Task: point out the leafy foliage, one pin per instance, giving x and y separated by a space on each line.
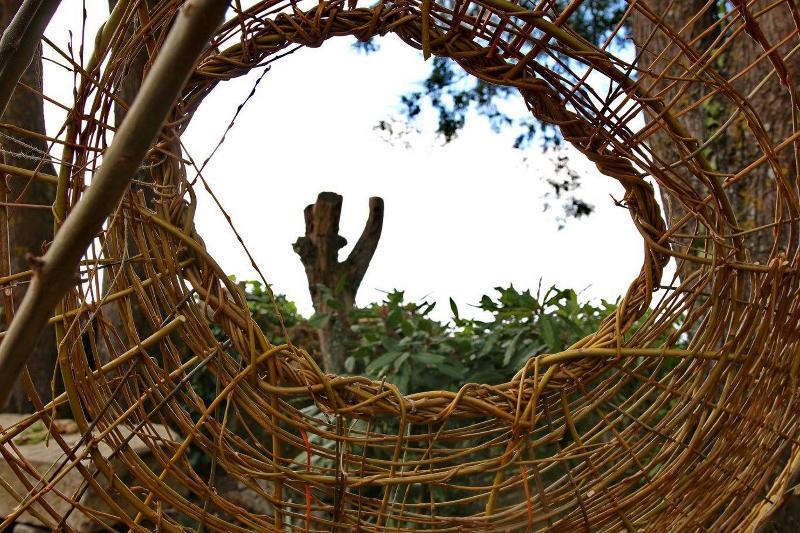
399 341
452 93
264 310
594 19
563 182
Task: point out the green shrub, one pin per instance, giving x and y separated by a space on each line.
399 341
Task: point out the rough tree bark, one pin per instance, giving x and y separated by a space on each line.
29 229
333 284
188 37
753 199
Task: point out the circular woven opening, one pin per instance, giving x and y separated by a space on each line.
632 427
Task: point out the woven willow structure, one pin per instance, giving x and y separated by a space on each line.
679 414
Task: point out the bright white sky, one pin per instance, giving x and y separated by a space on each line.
460 219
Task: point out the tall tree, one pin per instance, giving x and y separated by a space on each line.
768 84
23 145
705 26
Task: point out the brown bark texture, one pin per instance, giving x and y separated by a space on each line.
195 24
29 229
333 284
754 199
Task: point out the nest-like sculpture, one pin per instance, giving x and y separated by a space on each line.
679 414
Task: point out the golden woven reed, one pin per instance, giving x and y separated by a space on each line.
686 421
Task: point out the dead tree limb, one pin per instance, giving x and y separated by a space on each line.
55 271
333 284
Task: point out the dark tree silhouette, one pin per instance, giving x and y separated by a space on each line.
29 229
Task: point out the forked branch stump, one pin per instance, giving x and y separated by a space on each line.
333 284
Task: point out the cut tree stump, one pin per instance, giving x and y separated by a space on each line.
333 284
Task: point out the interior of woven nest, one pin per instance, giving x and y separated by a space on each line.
704 437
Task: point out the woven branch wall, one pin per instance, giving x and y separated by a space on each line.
679 413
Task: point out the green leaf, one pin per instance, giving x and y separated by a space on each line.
460 345
400 360
394 317
428 358
452 371
425 325
319 320
403 380
454 309
490 342
391 344
548 333
382 361
487 304
523 355
512 348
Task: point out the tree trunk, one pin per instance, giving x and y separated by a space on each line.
29 229
753 199
333 284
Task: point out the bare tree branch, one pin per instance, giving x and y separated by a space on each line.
20 42
55 272
359 258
